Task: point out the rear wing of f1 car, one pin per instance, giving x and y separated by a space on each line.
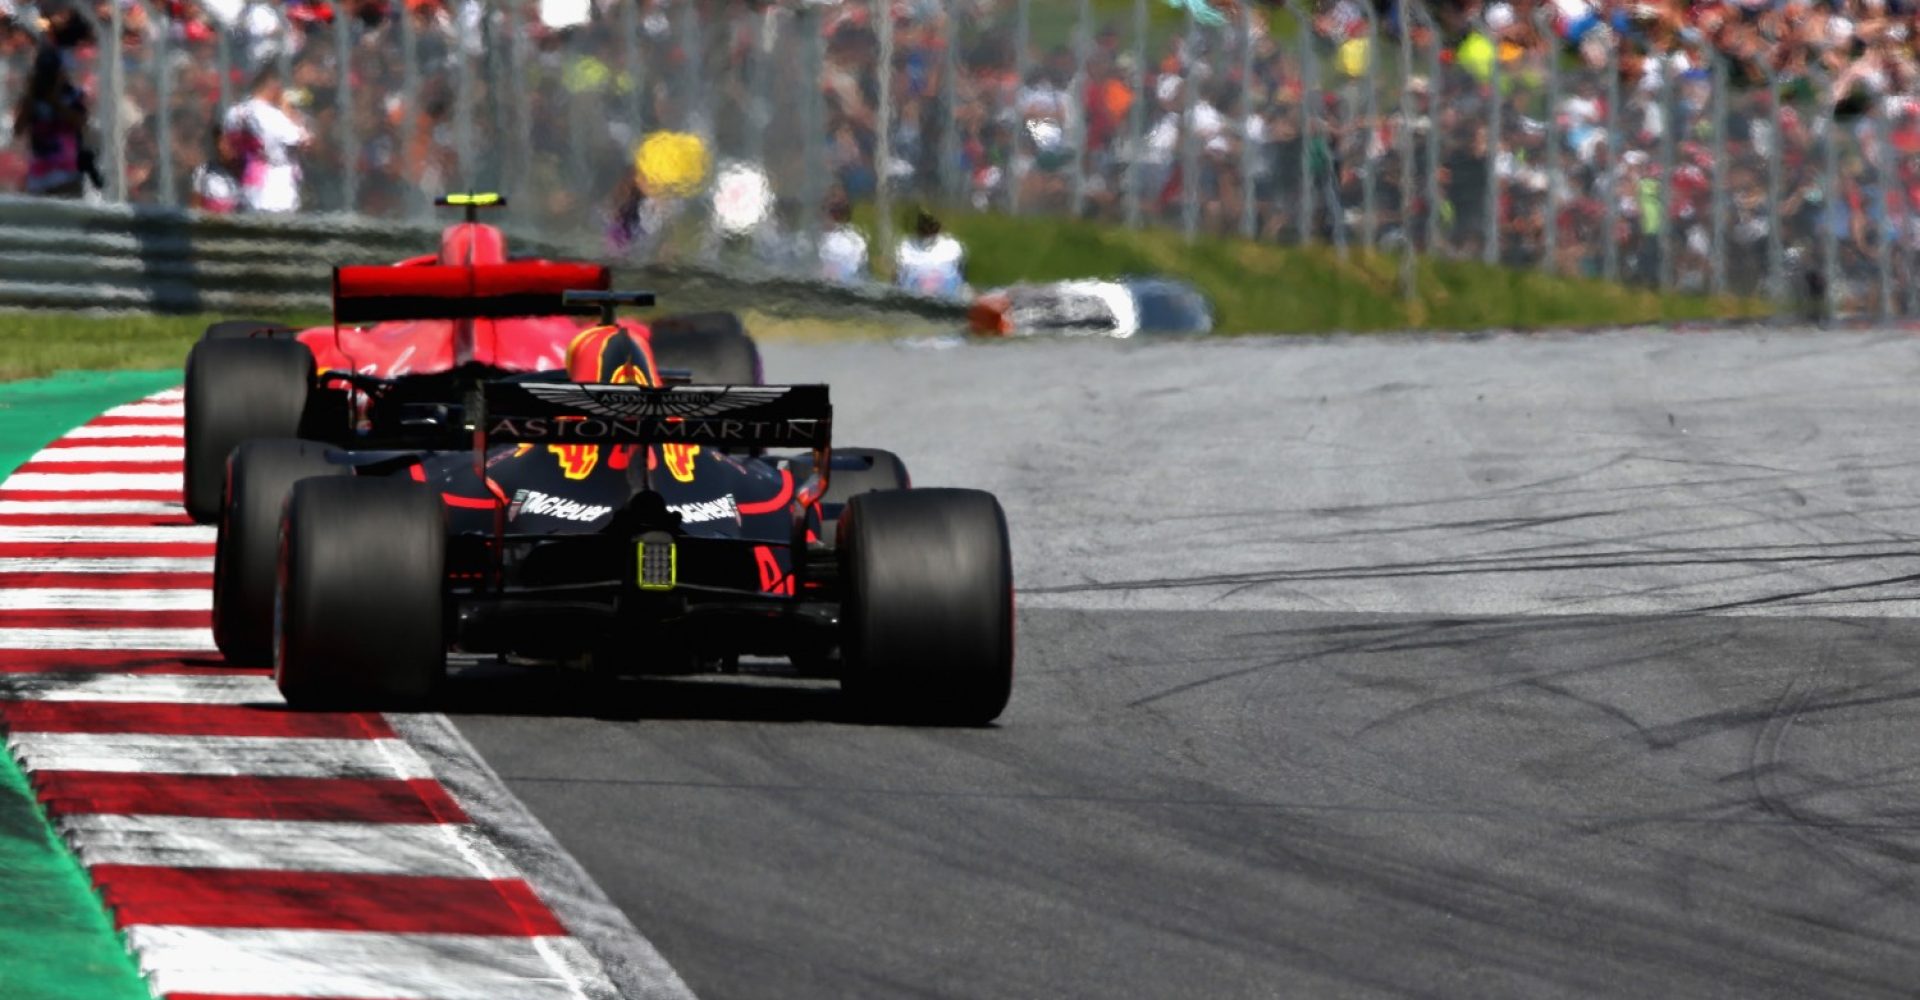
731 417
373 294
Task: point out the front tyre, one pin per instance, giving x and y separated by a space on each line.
237 390
360 621
927 620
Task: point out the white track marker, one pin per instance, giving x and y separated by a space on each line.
114 453
129 564
114 533
439 849
361 964
167 410
95 485
185 639
58 508
75 599
272 757
172 429
172 395
171 689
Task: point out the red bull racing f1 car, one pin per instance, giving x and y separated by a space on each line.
608 515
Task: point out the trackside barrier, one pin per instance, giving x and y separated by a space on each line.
74 255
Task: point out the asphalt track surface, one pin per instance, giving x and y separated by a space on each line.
1572 666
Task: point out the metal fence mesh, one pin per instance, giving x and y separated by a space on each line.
1510 133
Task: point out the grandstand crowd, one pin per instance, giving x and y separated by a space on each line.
1639 114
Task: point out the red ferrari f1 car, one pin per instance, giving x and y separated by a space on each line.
249 379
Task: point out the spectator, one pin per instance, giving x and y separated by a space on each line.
265 135
843 249
52 115
216 186
930 262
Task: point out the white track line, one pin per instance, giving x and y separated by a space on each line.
111 638
172 429
133 753
99 485
171 689
56 508
168 410
173 395
76 599
446 850
128 564
114 453
116 533
361 964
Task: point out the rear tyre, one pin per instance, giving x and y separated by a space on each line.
714 347
237 390
260 477
247 329
927 625
359 620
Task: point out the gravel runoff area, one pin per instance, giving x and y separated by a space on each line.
1519 666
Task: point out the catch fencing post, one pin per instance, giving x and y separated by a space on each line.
693 91
883 128
1434 99
1303 14
1717 256
950 170
463 100
1409 265
1610 183
1550 227
163 96
116 76
1669 162
1249 221
813 123
1886 169
1077 107
343 104
283 48
636 73
1190 136
522 128
1829 191
1368 214
1137 113
1490 253
1022 40
415 206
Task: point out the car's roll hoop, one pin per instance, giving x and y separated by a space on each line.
605 303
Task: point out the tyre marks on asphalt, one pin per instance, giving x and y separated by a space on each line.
243 849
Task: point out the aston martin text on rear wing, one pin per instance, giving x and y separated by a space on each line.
732 416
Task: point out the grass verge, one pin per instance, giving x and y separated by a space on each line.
34 344
1262 288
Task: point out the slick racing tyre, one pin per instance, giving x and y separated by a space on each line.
237 390
855 471
361 595
247 329
714 347
261 475
927 623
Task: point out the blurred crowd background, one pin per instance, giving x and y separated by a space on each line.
1756 147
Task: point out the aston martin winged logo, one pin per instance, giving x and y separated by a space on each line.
638 401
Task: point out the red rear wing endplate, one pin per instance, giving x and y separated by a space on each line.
382 293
